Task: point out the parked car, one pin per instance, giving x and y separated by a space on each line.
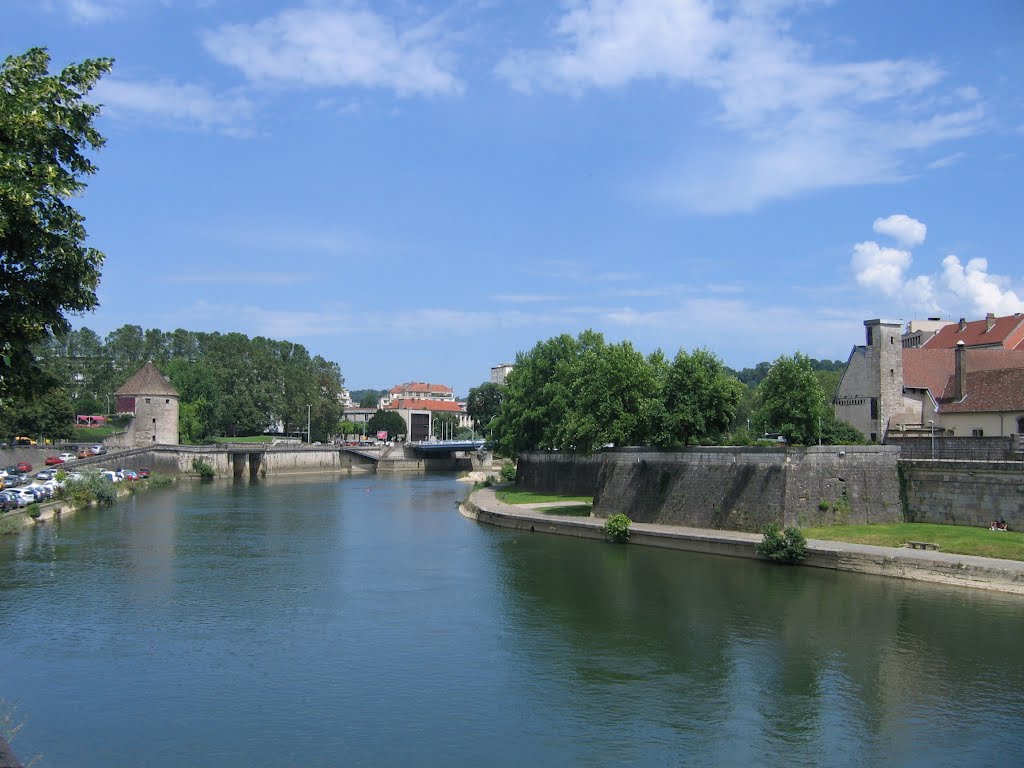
46 474
110 475
143 472
85 453
129 474
12 500
98 450
24 466
51 461
28 495
22 440
65 457
12 470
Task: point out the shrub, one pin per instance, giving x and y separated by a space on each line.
788 546
202 469
93 487
616 528
160 481
508 472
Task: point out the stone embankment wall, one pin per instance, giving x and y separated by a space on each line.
964 492
956 448
729 488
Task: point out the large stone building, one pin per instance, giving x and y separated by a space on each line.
418 404
964 380
153 401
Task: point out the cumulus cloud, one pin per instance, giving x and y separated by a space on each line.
179 105
798 123
350 47
973 283
967 289
906 230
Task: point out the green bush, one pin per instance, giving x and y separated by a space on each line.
508 472
788 546
93 487
160 481
616 528
202 469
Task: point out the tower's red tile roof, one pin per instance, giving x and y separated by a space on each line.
147 381
425 405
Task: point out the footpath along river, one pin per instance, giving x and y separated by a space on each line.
363 621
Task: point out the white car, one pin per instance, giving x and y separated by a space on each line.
110 475
65 457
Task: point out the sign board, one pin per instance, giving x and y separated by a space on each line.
382 435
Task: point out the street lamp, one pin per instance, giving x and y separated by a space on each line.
931 426
309 414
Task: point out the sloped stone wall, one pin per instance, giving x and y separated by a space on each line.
728 488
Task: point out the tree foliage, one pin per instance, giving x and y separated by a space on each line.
386 421
792 402
582 393
484 403
46 270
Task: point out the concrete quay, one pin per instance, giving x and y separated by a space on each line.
894 562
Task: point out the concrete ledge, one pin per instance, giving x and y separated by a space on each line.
894 562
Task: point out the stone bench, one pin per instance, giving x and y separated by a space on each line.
922 545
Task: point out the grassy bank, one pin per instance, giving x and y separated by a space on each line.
512 496
252 439
1007 545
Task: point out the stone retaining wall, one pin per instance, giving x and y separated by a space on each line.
728 488
970 493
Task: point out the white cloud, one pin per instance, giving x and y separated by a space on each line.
877 267
985 292
180 105
797 123
906 230
887 271
947 160
347 47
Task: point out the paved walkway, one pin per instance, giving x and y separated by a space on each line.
899 562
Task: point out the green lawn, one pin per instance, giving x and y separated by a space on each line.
529 497
92 434
575 510
955 539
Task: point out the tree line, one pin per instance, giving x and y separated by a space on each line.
230 384
582 393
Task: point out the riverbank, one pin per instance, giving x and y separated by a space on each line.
917 565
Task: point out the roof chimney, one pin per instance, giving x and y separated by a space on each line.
963 324
990 321
960 371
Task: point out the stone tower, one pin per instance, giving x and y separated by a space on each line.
155 405
871 391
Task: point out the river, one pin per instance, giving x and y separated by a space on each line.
362 621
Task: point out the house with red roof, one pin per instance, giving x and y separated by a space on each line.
419 403
965 380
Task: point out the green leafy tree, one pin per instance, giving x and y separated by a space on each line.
48 414
701 398
46 270
792 402
445 425
484 403
386 421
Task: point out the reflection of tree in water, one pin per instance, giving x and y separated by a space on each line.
768 662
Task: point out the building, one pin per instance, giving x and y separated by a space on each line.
920 331
964 380
418 403
500 372
153 402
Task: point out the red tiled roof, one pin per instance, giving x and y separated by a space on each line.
418 387
993 390
932 369
1007 332
147 381
425 405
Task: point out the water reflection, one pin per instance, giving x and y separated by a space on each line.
751 661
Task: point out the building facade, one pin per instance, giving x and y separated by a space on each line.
154 404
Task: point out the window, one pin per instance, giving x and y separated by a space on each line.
147 401
167 401
154 421
977 433
874 408
1020 424
869 335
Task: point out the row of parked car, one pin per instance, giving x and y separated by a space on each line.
24 490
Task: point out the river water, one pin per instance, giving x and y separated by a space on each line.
363 621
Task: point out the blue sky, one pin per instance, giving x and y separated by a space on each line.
418 190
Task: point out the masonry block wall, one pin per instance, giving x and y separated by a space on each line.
964 493
729 488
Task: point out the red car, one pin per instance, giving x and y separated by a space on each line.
24 466
52 460
143 472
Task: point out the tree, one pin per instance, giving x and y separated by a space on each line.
484 403
386 421
792 402
46 270
701 397
445 425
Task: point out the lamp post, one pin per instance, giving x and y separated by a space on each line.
931 426
309 414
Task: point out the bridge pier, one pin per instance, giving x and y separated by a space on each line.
240 462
